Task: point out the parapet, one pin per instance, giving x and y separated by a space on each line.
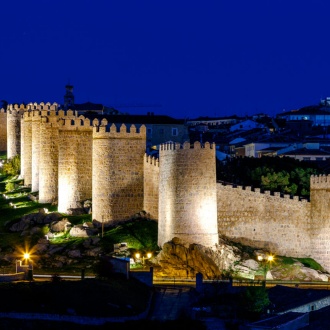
320 182
104 129
186 145
75 122
151 160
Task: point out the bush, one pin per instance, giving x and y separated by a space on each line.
12 166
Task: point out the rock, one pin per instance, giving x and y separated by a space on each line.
60 226
81 231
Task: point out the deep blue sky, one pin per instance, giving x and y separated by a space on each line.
192 58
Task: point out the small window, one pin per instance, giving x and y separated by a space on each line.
174 132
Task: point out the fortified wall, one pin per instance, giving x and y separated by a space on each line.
280 224
70 159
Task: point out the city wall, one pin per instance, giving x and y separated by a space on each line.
280 224
72 159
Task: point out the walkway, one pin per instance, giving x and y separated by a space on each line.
169 303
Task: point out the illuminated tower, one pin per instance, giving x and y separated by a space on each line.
118 160
74 162
187 193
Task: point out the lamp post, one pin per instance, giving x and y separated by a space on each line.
147 256
266 264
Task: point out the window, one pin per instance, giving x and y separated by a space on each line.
174 132
149 131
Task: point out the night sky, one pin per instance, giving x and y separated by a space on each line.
176 57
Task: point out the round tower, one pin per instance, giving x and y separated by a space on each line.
36 119
48 160
74 162
117 171
26 151
187 193
3 129
14 130
320 219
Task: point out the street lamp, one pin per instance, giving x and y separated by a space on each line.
147 256
265 263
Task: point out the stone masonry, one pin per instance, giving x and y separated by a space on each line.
79 159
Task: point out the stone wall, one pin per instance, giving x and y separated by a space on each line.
3 130
260 219
187 193
117 171
151 186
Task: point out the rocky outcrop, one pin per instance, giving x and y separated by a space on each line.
180 259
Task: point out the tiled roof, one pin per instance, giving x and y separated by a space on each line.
285 298
305 151
138 119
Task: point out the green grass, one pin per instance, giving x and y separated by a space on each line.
307 262
140 234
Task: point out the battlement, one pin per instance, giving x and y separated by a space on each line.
186 145
319 182
275 195
75 123
151 160
103 129
2 110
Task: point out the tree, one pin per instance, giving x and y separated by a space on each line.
12 166
256 299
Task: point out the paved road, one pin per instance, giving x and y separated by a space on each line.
172 302
169 303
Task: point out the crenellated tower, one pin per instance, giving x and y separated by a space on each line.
3 129
151 186
117 171
187 193
14 113
320 219
48 158
74 162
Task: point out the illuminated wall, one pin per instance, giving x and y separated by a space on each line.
117 171
187 193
